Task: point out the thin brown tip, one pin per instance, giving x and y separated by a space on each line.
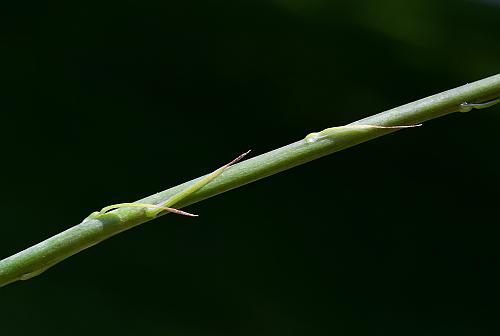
238 158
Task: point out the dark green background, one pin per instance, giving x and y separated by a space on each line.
109 101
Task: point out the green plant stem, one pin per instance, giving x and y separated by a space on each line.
38 258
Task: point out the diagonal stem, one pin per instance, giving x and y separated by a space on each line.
38 258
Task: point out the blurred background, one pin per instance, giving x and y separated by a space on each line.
110 101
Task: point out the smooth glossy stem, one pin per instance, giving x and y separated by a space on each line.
38 258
